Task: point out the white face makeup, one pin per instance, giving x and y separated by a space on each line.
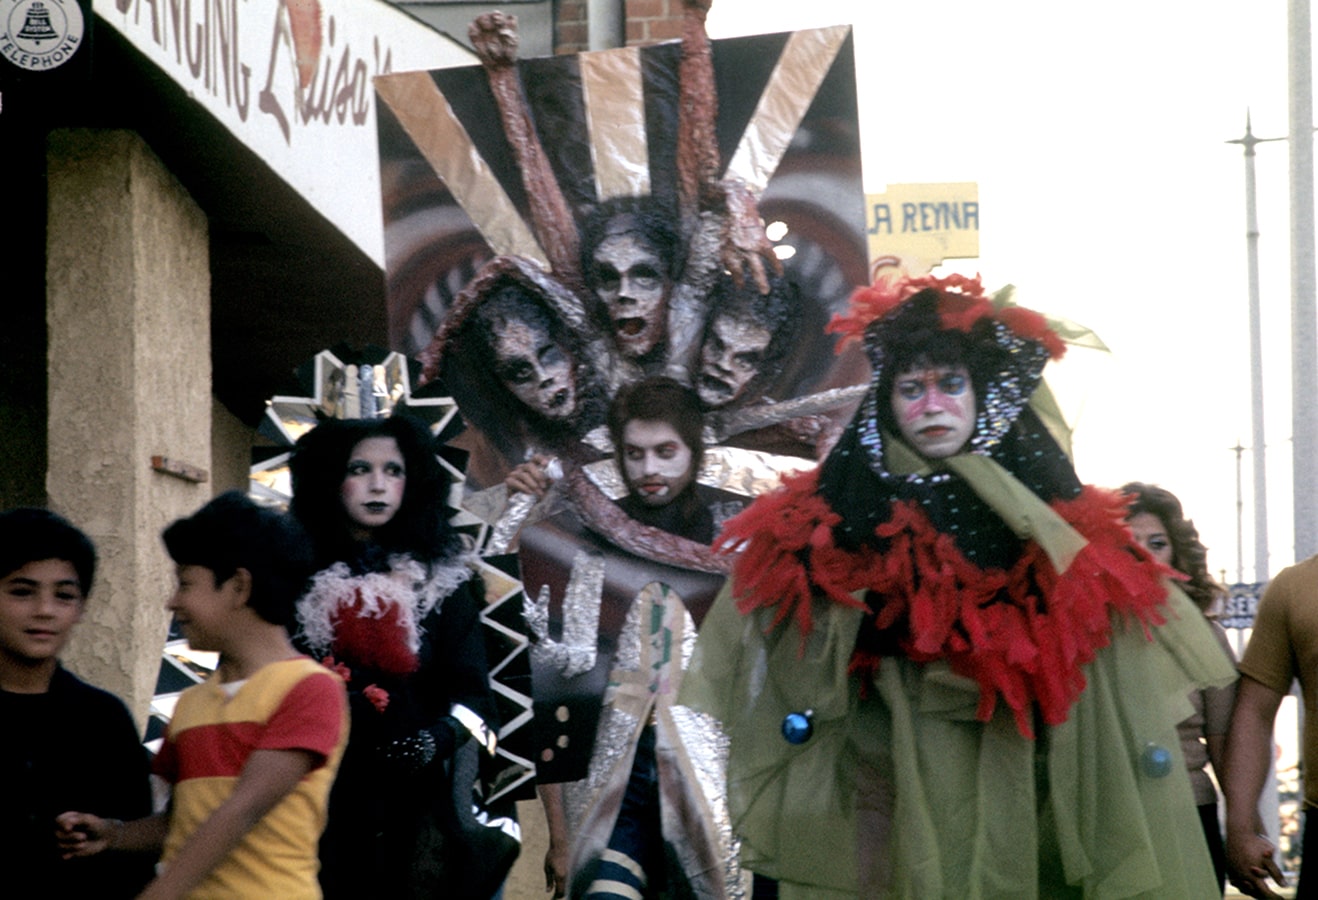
656 462
935 409
730 359
630 281
535 369
1151 534
373 485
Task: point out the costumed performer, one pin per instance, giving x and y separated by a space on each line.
394 608
633 786
945 670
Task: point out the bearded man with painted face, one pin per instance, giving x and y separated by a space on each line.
944 666
632 785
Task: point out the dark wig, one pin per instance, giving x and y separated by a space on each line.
232 532
658 399
1189 555
421 525
32 534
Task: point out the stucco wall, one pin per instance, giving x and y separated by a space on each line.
128 316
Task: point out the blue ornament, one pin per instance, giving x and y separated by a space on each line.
797 727
1156 761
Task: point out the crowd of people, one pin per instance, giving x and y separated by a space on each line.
936 664
929 662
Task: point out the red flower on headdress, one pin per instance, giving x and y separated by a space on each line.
962 302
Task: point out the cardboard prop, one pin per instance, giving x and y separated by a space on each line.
603 128
557 228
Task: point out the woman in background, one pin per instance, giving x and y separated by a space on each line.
1159 525
395 610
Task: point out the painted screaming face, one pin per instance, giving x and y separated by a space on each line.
1151 534
536 369
656 462
629 280
373 485
730 359
935 409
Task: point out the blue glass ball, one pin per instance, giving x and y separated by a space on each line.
1156 761
797 727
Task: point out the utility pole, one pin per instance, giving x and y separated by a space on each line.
1304 317
1259 455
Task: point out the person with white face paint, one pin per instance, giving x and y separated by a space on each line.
614 824
395 609
935 409
943 666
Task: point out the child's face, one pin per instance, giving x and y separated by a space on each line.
200 606
373 485
39 605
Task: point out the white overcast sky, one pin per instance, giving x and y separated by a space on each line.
1096 134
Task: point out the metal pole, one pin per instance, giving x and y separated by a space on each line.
1259 454
1304 317
1239 450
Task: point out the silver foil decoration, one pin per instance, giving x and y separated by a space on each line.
514 515
765 414
576 653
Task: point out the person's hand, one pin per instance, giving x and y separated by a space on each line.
1249 860
556 869
530 477
83 834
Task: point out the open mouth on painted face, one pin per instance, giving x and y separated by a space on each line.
716 386
376 507
558 399
629 326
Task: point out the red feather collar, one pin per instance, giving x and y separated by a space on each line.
1024 634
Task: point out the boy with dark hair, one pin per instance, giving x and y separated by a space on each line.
66 743
252 752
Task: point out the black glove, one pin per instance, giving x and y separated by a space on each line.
411 754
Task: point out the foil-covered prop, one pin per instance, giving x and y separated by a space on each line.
514 515
576 652
725 425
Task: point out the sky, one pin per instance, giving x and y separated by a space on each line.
1097 135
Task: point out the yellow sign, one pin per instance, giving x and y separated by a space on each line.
917 226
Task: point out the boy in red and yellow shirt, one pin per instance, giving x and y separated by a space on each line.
253 751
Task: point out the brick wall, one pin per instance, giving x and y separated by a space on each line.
653 20
647 21
570 26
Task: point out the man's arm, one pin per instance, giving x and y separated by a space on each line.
1248 754
556 857
266 779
